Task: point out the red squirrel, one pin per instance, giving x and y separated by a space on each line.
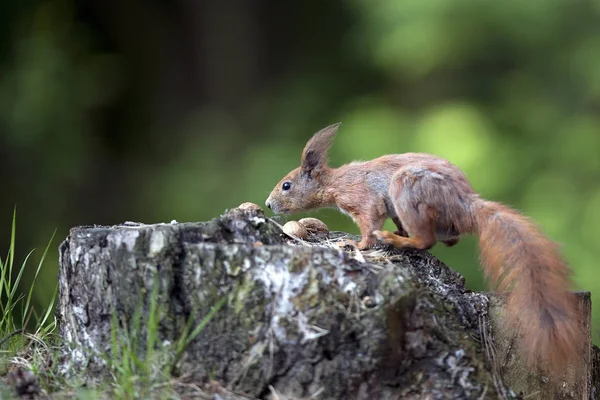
430 199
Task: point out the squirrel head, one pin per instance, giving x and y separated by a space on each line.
303 188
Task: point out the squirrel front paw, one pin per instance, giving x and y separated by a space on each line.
362 245
366 244
393 239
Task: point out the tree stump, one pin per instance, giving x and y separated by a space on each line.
298 319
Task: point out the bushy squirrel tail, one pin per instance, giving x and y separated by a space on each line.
518 258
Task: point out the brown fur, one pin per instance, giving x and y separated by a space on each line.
517 256
430 199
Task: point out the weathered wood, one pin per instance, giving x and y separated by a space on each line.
595 374
298 319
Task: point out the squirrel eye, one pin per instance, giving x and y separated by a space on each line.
286 186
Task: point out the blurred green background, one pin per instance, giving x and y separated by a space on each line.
117 110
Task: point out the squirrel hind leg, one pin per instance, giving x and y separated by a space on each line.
433 202
423 237
401 231
423 242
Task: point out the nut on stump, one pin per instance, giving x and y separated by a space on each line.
294 228
248 206
314 225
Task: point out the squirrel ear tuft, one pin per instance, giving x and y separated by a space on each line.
314 155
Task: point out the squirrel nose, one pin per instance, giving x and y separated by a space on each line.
268 203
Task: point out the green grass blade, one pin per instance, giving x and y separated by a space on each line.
7 321
6 279
2 271
213 310
153 320
15 285
37 271
115 355
7 265
137 320
186 342
139 363
42 324
10 291
11 251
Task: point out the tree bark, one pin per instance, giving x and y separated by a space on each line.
297 318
